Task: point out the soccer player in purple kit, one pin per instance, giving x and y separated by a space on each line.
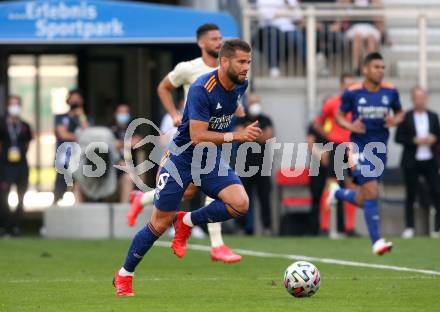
211 104
370 103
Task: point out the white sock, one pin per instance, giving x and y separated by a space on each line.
215 234
208 200
124 272
214 229
187 219
148 197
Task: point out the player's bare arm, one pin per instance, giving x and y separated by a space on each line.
318 127
396 119
266 134
200 134
356 126
164 90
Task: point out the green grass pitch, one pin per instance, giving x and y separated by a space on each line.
63 275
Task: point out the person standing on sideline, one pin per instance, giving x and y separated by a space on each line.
15 136
419 134
121 120
262 184
325 124
66 127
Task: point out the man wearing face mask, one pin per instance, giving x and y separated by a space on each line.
15 135
122 118
262 184
67 127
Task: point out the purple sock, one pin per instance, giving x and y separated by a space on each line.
141 243
371 214
346 195
214 212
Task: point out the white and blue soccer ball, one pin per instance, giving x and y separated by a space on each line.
302 279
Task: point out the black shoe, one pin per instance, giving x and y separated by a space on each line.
353 233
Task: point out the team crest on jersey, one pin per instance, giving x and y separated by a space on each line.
385 100
362 101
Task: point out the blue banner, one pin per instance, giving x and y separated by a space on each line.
95 21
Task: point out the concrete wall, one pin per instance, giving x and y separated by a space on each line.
91 221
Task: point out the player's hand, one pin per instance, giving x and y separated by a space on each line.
429 140
177 120
389 121
251 132
358 126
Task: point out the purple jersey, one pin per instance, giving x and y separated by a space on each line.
209 101
372 107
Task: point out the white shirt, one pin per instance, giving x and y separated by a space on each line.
185 73
268 8
168 130
421 123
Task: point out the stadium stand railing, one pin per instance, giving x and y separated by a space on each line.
410 44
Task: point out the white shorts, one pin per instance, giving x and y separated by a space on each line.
364 30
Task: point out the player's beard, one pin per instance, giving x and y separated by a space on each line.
234 77
212 53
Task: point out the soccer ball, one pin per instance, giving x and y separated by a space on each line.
302 279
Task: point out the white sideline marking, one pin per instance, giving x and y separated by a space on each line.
311 259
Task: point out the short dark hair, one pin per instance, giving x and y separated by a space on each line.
203 29
119 104
75 91
230 46
371 57
16 97
344 76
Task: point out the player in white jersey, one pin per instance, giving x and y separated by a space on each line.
209 40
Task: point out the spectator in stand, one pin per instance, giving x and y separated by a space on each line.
325 124
419 134
15 136
121 120
365 35
66 128
167 126
262 184
278 32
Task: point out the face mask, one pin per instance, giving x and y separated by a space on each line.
14 110
122 118
74 105
255 109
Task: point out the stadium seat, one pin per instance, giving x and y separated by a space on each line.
293 193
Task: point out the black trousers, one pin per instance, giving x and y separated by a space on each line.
263 186
17 175
429 170
317 185
60 187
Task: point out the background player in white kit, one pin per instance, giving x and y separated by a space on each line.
209 40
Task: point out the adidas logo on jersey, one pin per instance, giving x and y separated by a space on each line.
219 106
362 101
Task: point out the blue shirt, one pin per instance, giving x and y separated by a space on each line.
209 101
373 108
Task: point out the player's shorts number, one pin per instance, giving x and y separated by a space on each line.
161 182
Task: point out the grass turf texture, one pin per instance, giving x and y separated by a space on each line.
57 275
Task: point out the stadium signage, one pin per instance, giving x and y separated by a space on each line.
61 20
98 21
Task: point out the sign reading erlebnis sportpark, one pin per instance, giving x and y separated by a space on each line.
95 21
